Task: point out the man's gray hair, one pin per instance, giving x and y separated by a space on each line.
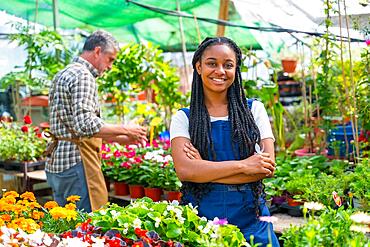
103 39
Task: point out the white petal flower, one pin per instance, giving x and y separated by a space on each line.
360 228
361 218
137 223
313 206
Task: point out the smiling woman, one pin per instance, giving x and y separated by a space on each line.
213 143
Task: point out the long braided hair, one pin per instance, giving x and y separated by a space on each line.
244 129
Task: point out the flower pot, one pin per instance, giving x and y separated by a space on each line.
304 152
174 196
294 203
121 188
289 65
153 193
136 191
107 183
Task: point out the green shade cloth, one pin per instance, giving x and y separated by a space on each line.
131 23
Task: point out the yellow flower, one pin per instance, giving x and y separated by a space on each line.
156 121
2 222
58 213
11 194
28 196
70 206
73 198
51 204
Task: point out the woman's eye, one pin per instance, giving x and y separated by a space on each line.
212 64
229 66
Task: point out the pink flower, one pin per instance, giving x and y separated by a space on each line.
129 154
106 156
155 143
105 148
138 159
367 42
218 221
126 165
117 154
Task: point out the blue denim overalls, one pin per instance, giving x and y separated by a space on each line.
235 203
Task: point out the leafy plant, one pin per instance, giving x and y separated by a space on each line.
138 68
170 221
20 142
331 228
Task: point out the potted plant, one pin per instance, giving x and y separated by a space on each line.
171 184
155 181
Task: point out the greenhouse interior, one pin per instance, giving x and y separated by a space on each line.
176 123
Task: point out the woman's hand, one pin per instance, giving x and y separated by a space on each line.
191 152
259 164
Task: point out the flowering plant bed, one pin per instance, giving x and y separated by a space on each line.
170 221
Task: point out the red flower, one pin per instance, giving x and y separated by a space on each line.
129 154
36 129
24 128
27 119
140 233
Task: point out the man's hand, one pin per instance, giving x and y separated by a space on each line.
135 132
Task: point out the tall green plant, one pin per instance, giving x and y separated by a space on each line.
140 67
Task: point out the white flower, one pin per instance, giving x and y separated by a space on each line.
313 206
203 219
137 223
97 242
175 203
363 229
103 212
168 158
170 207
125 225
270 219
165 213
157 222
200 227
114 214
361 218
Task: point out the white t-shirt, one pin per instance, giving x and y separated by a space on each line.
180 122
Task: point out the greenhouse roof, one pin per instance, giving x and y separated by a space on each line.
131 23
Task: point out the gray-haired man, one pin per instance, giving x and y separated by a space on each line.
73 165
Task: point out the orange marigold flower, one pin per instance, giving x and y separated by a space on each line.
28 196
11 194
2 223
36 215
33 205
73 198
9 200
51 204
6 217
70 206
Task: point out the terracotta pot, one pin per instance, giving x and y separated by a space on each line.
153 193
121 188
304 152
136 191
289 65
174 196
294 203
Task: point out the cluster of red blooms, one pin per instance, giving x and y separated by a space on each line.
364 137
25 128
113 238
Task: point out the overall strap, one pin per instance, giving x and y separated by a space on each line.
187 110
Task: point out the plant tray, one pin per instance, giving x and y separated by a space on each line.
20 166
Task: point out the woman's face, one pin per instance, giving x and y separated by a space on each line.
217 68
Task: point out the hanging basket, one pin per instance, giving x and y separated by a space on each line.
289 65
